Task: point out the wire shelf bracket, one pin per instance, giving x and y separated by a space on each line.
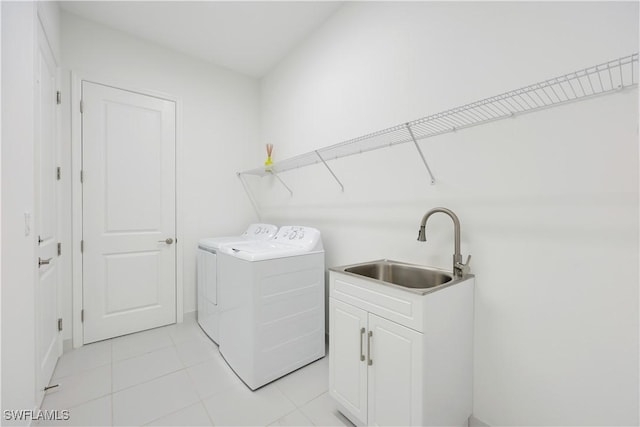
281 182
247 189
330 171
252 199
605 78
433 180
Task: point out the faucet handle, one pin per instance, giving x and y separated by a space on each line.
464 268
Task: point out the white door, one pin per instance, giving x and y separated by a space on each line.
128 202
395 374
48 339
348 357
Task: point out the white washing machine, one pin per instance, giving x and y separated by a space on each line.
273 318
207 274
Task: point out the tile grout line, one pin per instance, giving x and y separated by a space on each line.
182 367
297 409
82 402
171 413
200 399
206 411
145 352
285 395
145 382
150 380
111 363
173 342
111 406
83 371
111 395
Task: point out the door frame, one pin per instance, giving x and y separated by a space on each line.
76 191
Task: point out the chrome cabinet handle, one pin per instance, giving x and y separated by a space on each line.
361 339
168 241
43 261
370 362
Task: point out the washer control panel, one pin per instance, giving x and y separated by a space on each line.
261 231
304 237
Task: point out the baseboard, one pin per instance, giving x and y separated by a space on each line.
67 345
189 315
475 422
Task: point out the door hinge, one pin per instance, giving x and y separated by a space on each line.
81 245
58 98
58 173
60 324
59 248
81 176
81 107
82 315
40 240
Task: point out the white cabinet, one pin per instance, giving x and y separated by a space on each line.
395 374
347 357
399 358
375 367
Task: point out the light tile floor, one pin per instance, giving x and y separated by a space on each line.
175 376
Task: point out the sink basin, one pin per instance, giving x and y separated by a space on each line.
409 276
414 278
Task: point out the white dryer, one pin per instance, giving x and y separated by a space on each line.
273 318
207 274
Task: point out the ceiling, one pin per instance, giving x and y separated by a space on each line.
248 37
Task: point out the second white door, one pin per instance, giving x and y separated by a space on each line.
48 335
128 172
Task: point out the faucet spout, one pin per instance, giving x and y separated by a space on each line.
422 237
459 269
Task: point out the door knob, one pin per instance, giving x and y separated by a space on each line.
43 261
168 241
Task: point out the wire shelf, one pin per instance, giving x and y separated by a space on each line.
608 77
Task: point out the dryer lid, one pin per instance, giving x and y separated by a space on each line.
290 241
253 232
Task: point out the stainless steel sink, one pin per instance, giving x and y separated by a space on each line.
412 277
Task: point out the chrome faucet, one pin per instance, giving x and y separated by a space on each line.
459 269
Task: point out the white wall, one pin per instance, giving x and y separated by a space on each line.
219 127
18 250
19 261
548 201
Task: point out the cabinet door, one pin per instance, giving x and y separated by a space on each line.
347 357
395 384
